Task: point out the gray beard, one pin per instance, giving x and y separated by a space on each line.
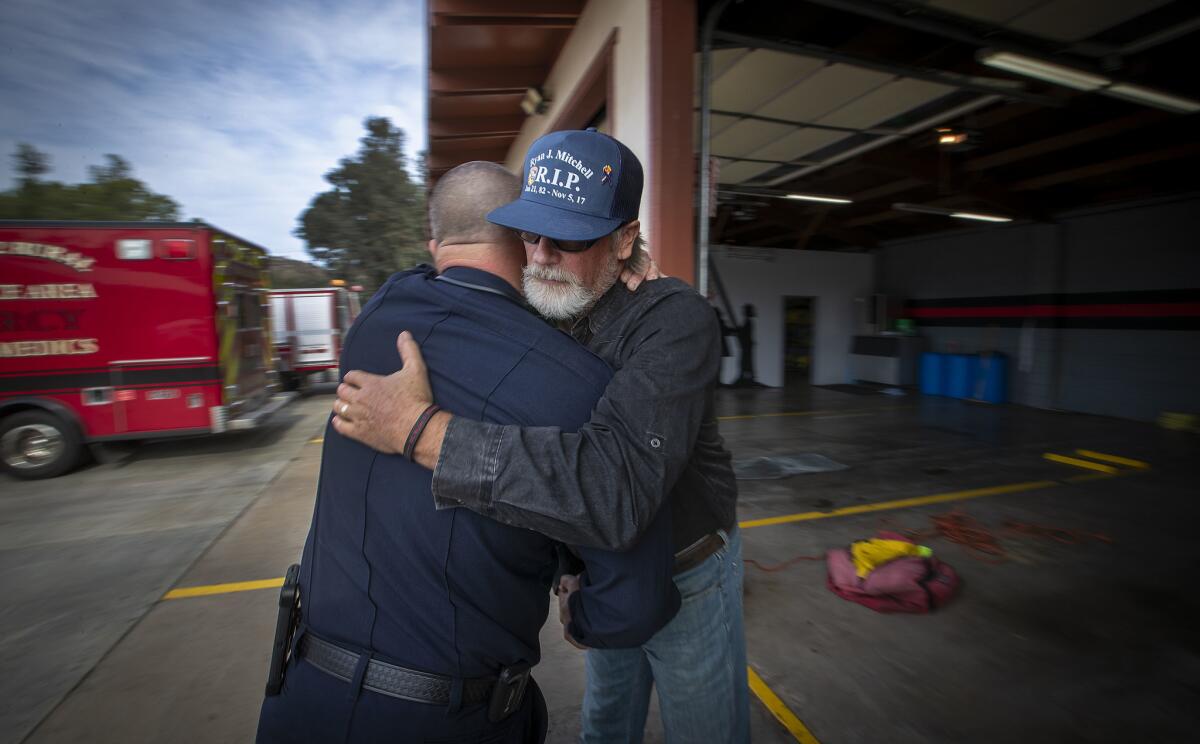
566 301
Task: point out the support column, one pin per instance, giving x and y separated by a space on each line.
671 176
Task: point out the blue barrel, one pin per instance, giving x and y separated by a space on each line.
960 375
933 373
993 374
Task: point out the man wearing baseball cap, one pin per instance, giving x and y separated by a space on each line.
652 440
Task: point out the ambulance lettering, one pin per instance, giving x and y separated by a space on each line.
47 292
57 347
55 253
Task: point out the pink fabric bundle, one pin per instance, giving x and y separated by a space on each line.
907 584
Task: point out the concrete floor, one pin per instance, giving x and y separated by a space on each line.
1061 642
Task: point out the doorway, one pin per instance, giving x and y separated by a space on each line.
797 339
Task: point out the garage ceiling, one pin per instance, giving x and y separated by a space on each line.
841 97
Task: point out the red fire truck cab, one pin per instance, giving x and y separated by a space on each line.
127 330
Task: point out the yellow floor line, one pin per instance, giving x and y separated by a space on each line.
1076 462
1115 459
778 709
318 440
936 498
240 586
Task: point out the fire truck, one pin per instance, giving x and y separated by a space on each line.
128 331
308 327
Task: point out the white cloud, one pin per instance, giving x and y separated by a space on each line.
236 111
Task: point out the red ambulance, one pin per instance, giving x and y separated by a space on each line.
128 330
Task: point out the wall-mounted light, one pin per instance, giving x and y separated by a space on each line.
534 102
956 139
947 137
955 213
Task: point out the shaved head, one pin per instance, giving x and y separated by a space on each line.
462 198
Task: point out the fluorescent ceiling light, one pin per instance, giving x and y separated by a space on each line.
822 199
943 212
1150 97
1036 68
1080 80
980 217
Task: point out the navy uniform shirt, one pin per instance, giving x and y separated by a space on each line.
449 591
654 435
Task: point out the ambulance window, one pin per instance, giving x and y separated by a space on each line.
249 312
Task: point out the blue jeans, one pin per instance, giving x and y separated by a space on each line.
697 662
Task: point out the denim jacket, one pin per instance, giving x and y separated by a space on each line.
653 435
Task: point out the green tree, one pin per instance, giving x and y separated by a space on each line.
31 162
112 193
371 223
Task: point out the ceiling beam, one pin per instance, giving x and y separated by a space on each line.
811 229
759 160
888 189
484 80
524 23
756 224
887 214
874 218
785 218
441 161
876 131
1109 166
1063 141
482 126
849 235
928 169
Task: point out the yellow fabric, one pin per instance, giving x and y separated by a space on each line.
871 554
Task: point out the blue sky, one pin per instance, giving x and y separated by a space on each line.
233 109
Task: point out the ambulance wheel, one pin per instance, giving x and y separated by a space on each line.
38 444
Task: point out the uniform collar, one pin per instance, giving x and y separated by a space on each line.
480 278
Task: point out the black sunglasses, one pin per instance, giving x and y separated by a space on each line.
566 246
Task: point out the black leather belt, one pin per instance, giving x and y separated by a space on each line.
389 679
696 553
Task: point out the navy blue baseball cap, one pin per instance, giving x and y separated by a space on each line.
576 185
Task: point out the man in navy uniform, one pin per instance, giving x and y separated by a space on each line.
411 615
652 440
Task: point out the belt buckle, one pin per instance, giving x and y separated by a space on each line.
508 692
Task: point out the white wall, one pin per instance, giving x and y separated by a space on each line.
763 277
628 113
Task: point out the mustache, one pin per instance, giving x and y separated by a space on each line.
550 273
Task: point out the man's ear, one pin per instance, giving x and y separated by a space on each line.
433 247
627 237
